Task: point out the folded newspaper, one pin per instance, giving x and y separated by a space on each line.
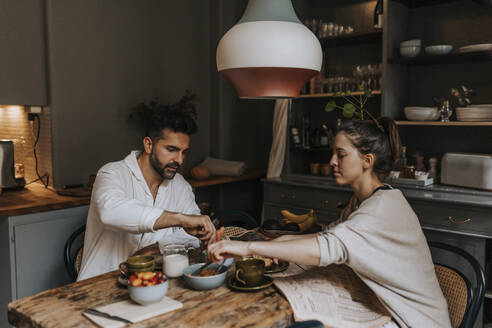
334 295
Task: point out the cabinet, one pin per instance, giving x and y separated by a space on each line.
32 252
23 56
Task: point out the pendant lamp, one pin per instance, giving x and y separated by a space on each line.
269 53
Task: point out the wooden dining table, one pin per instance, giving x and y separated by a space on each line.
220 307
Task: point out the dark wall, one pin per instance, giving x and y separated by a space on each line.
101 63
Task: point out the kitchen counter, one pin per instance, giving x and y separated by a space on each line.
36 198
435 192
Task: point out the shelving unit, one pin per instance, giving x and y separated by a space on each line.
437 123
351 39
451 58
332 94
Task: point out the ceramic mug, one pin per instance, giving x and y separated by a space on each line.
138 263
314 168
249 272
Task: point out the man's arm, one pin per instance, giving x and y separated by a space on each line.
196 225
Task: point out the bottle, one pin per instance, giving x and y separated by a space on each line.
403 158
378 15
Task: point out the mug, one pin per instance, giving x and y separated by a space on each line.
249 272
138 263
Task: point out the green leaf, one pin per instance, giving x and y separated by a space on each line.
358 114
330 106
361 87
348 93
337 94
368 93
348 110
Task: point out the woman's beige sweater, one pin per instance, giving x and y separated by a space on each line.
382 241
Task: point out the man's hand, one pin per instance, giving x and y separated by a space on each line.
199 226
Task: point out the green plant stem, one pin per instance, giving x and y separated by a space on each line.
353 103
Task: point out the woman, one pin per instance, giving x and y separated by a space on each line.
378 235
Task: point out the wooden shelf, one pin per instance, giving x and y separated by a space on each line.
437 123
454 57
249 174
332 94
423 3
352 39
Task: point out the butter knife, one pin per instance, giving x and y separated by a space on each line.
106 315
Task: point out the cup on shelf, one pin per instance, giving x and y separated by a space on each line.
314 168
325 169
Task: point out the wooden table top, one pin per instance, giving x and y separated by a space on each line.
221 307
36 198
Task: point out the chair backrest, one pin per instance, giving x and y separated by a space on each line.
235 218
464 300
72 252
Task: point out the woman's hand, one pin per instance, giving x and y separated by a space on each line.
227 248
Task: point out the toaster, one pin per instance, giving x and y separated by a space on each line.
467 170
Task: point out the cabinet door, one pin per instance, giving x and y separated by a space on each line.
305 197
39 243
22 55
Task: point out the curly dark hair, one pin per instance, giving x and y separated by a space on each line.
178 117
380 138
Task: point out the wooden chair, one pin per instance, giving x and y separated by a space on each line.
464 300
73 256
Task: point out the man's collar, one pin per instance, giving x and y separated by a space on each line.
131 161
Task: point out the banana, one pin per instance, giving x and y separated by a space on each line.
304 226
289 216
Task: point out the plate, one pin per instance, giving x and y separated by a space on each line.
274 268
265 283
476 47
122 280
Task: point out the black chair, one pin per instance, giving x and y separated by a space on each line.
236 218
73 251
464 300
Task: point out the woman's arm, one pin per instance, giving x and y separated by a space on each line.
300 250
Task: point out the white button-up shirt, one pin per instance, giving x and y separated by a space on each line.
123 212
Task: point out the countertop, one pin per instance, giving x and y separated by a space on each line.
435 192
36 198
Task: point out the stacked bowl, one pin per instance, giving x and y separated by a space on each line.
474 113
414 113
410 48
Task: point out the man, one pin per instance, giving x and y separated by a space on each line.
142 200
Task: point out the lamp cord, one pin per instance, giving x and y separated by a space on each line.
36 140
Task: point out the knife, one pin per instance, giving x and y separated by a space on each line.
106 315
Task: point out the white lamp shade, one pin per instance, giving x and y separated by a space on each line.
269 58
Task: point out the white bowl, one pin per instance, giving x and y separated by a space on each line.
441 49
148 294
409 52
414 113
205 283
409 43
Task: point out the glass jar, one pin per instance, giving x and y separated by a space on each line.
174 260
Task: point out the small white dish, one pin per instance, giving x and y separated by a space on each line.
409 52
476 47
148 294
441 49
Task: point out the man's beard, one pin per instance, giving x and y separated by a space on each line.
161 168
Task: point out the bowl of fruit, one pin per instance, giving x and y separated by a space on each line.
147 287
